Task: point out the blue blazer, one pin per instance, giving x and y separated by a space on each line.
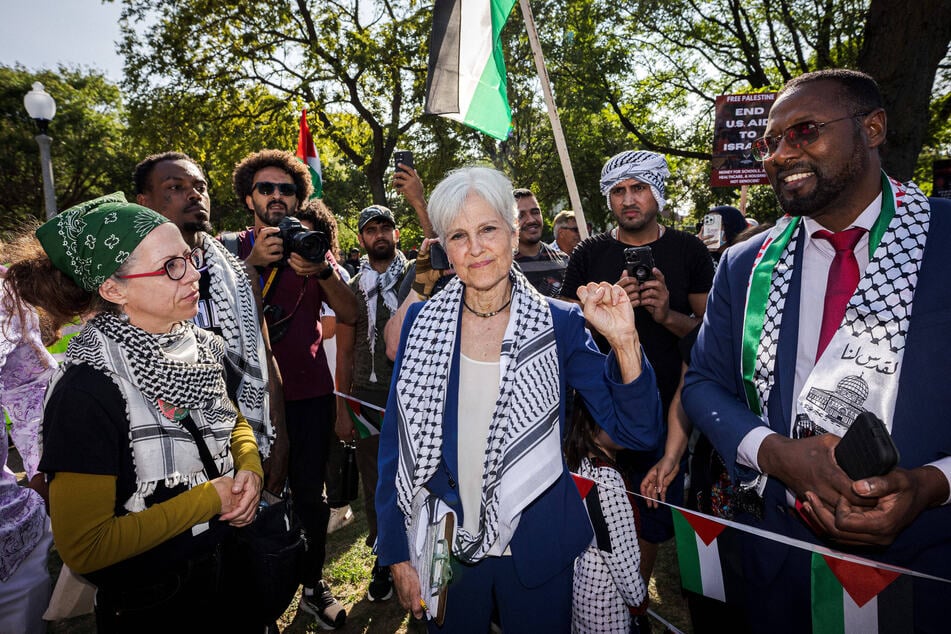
554 528
714 398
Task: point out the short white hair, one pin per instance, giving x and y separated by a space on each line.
449 196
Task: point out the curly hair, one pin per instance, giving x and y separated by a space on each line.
143 171
243 176
319 214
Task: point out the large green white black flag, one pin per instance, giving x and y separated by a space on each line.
467 81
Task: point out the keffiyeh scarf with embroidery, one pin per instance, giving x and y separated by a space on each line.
162 378
523 453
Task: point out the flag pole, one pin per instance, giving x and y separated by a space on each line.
553 116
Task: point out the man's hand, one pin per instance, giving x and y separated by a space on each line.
655 297
899 497
346 430
808 465
407 182
304 267
426 276
631 287
268 247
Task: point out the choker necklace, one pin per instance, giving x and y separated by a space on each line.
486 315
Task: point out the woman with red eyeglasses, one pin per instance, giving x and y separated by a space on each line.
149 464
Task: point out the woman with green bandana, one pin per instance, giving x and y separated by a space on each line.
149 463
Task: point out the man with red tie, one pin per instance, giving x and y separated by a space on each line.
840 309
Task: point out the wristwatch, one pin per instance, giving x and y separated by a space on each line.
326 273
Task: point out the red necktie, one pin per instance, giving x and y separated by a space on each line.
843 278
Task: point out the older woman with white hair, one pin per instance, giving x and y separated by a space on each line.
476 418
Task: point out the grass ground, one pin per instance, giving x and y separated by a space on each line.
349 562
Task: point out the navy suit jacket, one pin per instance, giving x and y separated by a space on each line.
554 528
714 398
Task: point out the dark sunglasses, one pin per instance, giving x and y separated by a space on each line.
175 267
574 229
795 136
266 189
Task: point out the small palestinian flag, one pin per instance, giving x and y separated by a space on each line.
850 597
307 152
367 418
708 556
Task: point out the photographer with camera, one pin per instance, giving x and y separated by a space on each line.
667 275
296 275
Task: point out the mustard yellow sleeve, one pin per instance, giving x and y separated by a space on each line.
88 534
244 448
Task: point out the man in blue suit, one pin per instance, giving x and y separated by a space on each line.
804 329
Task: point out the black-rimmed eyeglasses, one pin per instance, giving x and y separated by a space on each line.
175 267
795 136
285 189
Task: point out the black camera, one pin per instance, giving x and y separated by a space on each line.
310 245
639 263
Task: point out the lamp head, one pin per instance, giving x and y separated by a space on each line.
40 106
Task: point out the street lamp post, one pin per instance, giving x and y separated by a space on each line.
42 108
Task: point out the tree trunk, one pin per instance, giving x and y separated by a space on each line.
903 45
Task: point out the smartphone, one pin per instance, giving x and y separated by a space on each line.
402 156
711 233
438 259
866 449
639 262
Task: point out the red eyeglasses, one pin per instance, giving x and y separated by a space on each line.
175 267
795 136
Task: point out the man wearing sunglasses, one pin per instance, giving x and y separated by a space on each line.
173 184
272 184
842 308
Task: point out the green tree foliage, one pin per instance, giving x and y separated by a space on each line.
89 148
335 58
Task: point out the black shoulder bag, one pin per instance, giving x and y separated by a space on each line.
262 560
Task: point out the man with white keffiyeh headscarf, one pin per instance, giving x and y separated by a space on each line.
668 304
363 369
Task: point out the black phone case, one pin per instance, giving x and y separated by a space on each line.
402 156
437 257
866 449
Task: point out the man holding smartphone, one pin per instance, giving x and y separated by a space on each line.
842 308
666 307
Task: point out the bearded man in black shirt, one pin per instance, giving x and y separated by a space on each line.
666 307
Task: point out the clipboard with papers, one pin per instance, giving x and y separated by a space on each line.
430 536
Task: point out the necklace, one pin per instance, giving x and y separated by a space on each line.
486 315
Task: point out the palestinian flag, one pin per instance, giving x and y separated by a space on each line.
466 80
367 418
700 543
307 152
849 597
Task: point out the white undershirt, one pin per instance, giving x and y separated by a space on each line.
478 392
816 259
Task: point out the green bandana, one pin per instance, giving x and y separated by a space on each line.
90 241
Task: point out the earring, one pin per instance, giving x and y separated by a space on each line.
123 317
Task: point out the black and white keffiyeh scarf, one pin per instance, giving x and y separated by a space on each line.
233 298
523 452
162 378
375 285
876 319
